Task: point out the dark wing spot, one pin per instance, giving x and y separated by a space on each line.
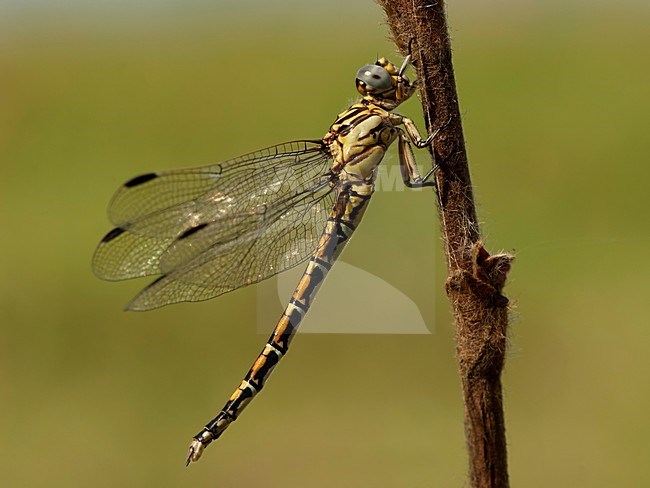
192 230
138 180
156 281
116 232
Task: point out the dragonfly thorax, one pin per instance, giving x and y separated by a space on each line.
358 140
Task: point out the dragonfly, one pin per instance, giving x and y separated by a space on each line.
212 229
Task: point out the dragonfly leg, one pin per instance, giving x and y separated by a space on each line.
408 166
415 136
410 174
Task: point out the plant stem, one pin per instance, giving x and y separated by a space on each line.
475 278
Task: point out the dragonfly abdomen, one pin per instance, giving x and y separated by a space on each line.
352 201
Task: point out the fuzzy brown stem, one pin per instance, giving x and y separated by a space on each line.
475 278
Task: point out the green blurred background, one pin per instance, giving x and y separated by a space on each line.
555 101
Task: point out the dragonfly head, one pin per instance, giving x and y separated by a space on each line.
383 83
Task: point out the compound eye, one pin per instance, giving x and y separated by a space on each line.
375 77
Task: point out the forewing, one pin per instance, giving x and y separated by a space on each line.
218 203
202 265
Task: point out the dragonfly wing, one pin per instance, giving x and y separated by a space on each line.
201 265
155 210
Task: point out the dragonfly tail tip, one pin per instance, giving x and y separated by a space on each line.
196 449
